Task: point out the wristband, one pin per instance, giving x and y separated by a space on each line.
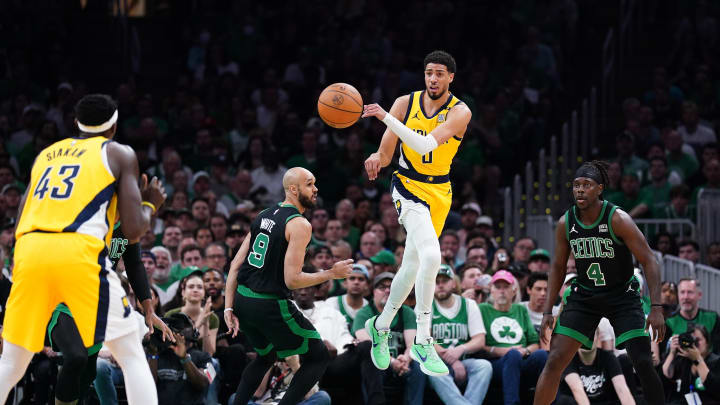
152 356
228 309
547 313
149 204
185 359
656 305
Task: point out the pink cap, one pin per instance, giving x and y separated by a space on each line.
503 275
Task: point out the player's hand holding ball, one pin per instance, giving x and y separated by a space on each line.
341 269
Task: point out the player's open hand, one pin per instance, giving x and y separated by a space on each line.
655 324
373 166
547 323
341 269
232 323
153 191
373 110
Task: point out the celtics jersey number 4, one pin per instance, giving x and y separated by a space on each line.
602 259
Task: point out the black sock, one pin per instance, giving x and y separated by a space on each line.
252 376
312 367
639 352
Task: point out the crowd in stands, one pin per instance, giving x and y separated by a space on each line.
240 110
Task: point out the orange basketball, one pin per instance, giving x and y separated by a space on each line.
340 105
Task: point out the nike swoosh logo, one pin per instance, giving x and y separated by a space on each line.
421 356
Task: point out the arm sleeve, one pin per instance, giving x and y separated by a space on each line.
419 143
136 272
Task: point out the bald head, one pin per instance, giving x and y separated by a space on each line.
295 176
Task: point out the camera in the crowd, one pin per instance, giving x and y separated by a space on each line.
179 323
686 340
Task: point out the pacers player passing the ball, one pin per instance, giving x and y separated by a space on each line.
430 125
603 240
64 227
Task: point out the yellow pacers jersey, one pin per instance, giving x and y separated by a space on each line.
438 161
71 190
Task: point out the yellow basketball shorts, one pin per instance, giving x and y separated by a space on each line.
70 268
409 194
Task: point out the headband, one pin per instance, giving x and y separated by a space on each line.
590 172
96 129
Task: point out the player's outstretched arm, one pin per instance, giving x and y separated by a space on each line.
386 150
456 124
231 285
557 275
624 228
298 232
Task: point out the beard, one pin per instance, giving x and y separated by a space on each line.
442 296
436 95
306 201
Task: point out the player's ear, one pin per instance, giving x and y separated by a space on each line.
451 76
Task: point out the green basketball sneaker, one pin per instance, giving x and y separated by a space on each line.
430 362
379 352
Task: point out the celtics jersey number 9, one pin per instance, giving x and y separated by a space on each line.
263 270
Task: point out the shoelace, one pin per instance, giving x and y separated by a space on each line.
383 337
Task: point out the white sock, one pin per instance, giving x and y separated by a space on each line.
13 363
139 382
402 284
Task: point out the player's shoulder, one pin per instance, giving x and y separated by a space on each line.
298 226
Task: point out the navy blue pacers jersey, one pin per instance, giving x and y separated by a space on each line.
602 259
263 270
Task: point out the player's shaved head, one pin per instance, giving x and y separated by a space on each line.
295 176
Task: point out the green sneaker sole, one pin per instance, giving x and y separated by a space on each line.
370 329
424 369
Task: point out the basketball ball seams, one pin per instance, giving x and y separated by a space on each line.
344 94
339 109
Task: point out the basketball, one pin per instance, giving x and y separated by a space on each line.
340 105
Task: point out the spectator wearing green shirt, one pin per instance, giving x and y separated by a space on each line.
511 340
630 197
679 161
625 146
192 258
656 195
679 207
689 295
402 329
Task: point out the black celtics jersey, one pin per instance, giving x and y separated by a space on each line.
118 245
602 259
264 269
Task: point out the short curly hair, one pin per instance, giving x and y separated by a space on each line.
441 58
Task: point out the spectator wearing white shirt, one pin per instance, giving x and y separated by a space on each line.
347 360
356 285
